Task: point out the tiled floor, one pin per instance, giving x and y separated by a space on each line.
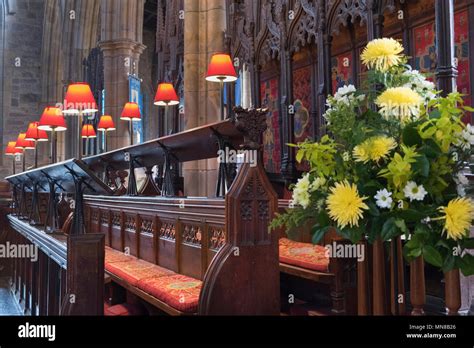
8 306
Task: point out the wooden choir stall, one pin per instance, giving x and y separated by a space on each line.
147 249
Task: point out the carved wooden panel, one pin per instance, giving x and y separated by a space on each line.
168 231
130 223
104 217
116 219
192 234
147 225
217 238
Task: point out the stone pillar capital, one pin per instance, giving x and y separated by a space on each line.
118 45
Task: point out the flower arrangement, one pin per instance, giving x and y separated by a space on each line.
393 163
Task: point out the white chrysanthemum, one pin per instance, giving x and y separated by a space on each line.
317 184
414 192
344 91
420 84
468 134
384 199
301 192
345 95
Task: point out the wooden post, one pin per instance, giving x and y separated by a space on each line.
397 279
446 72
452 292
417 286
362 284
85 275
250 250
378 275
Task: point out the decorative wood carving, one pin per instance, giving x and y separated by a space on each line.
217 238
168 231
147 226
192 234
130 223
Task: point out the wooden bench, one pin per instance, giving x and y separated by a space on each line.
300 258
226 266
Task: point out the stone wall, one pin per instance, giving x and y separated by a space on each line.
21 83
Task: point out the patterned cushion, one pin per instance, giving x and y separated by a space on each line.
112 256
124 309
304 255
136 270
178 291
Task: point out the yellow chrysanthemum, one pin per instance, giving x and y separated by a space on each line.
401 102
382 54
374 149
458 217
345 206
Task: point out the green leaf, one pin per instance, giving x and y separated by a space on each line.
373 210
411 137
467 265
431 148
411 215
375 227
389 230
401 225
318 233
468 243
422 166
411 253
449 263
299 156
432 256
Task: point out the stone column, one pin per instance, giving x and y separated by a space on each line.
205 22
121 43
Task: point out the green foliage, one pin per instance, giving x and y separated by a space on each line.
432 147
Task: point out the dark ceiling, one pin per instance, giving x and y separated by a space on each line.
149 16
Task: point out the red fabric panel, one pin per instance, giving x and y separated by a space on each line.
178 291
304 255
112 256
134 271
271 137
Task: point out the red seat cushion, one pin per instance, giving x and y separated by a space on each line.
178 291
112 256
135 270
304 255
123 309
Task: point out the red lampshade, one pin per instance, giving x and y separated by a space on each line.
12 150
221 69
166 95
106 123
22 143
35 134
88 131
131 112
52 118
79 97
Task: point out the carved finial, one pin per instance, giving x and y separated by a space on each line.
252 123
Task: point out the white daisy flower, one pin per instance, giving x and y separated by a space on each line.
414 192
384 199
